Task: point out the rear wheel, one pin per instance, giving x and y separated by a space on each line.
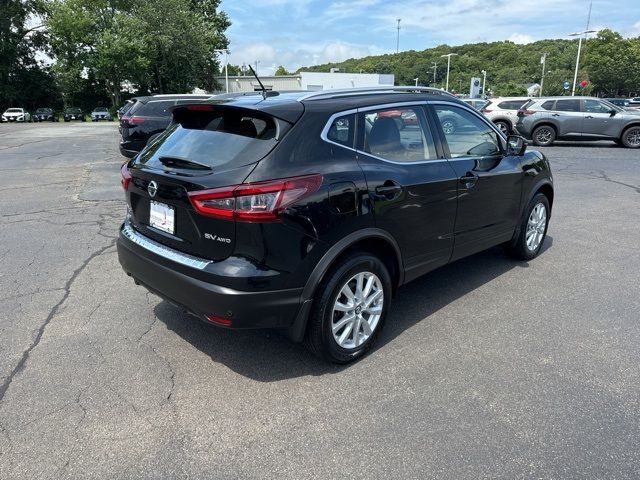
448 126
350 309
631 137
543 136
533 229
503 126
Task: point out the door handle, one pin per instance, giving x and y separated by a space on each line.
469 180
588 116
555 114
389 189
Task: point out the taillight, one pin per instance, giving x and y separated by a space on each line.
254 202
486 110
524 113
226 322
136 120
126 176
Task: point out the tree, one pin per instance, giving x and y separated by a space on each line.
612 63
281 71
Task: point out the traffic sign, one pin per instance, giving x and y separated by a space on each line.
566 84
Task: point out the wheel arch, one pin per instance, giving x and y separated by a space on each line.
371 240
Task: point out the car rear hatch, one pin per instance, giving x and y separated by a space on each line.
180 189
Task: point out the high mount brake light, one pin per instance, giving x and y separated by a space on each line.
254 202
126 176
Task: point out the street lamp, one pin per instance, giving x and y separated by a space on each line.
416 79
226 67
484 81
398 37
435 69
575 75
448 55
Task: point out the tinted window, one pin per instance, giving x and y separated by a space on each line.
466 134
568 106
549 105
342 130
154 109
595 106
220 137
398 134
511 104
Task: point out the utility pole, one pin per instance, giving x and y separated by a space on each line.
448 55
434 68
226 67
398 36
543 61
416 79
580 34
257 62
484 81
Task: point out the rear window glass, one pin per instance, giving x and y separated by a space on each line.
153 109
224 137
568 105
511 104
548 105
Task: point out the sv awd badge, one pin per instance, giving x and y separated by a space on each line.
210 236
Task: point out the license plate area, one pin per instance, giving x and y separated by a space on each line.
162 217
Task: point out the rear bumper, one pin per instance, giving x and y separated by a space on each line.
166 273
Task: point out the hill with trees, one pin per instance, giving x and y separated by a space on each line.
609 62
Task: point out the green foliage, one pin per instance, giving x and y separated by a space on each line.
281 71
154 45
511 67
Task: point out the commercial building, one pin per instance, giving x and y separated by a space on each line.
307 81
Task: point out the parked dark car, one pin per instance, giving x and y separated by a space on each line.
545 120
44 115
306 211
618 102
73 113
147 117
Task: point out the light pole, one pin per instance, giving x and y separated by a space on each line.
543 61
416 79
226 67
448 55
257 62
435 68
398 36
575 75
484 81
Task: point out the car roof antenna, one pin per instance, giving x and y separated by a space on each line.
265 94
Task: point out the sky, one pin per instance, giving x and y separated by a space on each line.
297 33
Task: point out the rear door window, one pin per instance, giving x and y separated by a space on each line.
568 105
221 137
549 105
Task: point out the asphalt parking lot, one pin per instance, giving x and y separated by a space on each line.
487 368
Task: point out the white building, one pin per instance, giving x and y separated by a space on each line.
307 81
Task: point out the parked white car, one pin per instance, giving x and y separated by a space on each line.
16 115
503 112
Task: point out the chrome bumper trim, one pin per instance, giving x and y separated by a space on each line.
163 251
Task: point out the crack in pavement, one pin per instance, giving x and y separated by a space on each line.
67 289
605 177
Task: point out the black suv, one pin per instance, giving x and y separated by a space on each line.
306 211
44 115
73 113
147 117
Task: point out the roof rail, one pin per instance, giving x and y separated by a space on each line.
371 90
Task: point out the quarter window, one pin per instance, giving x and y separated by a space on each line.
398 134
342 130
466 134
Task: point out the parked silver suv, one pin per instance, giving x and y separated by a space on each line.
502 111
578 118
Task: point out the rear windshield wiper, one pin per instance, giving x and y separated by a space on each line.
183 163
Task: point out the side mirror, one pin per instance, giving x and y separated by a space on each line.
516 145
613 112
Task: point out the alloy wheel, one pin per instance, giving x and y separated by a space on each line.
633 137
357 310
544 135
536 227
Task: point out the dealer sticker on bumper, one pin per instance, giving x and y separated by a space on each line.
162 217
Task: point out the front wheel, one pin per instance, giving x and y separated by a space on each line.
350 309
631 137
533 229
543 136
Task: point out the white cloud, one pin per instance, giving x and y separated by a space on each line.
521 38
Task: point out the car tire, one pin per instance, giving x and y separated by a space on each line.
330 334
532 232
448 126
631 137
503 126
543 136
